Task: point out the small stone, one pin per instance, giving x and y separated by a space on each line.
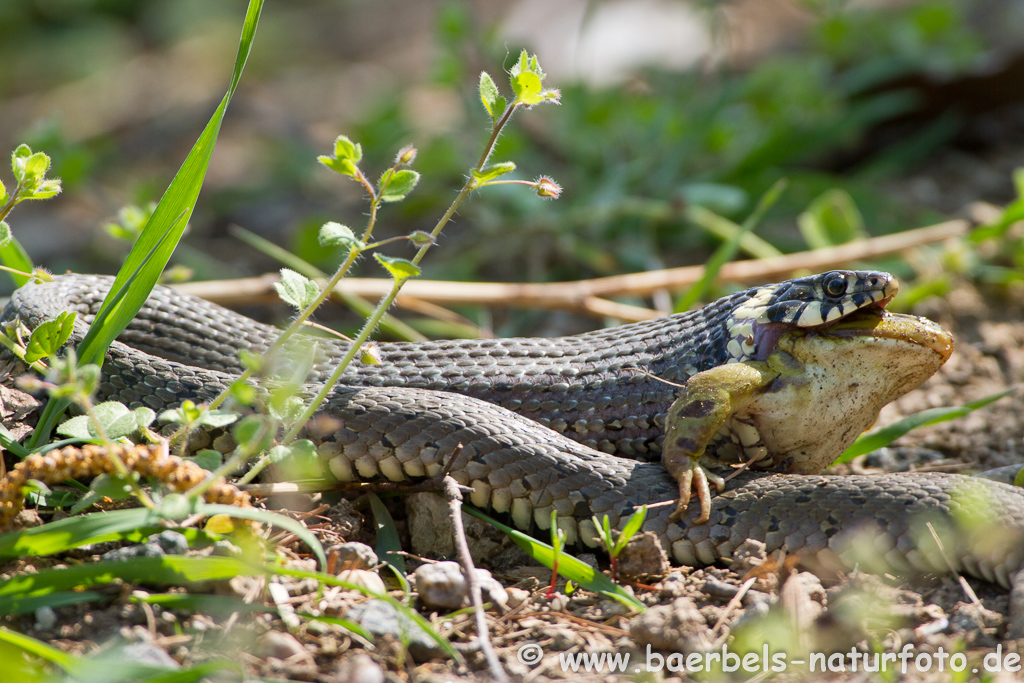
171 542
977 624
226 549
363 578
353 555
359 668
678 627
46 618
643 557
516 596
442 585
131 552
749 555
382 619
148 654
282 646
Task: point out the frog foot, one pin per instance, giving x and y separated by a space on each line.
696 478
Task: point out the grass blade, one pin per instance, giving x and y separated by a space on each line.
266 517
119 525
568 566
886 435
727 250
69 663
153 249
171 569
389 546
14 256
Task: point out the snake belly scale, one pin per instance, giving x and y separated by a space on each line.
404 419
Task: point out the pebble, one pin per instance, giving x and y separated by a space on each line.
368 580
282 646
131 552
171 542
382 618
359 668
46 618
354 555
148 654
678 627
442 585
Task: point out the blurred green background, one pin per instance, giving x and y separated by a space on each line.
883 116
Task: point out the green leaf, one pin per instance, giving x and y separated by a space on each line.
15 257
395 185
45 189
568 566
103 486
69 663
886 435
35 167
151 252
489 94
50 336
388 546
344 148
21 153
399 268
208 459
5 231
188 413
337 235
633 525
489 173
115 418
296 290
347 155
177 507
528 88
830 220
254 433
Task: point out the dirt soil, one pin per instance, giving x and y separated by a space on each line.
691 610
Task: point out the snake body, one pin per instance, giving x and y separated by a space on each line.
401 421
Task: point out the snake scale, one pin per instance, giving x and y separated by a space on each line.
537 419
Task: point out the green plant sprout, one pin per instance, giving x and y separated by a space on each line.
29 169
615 541
394 184
557 545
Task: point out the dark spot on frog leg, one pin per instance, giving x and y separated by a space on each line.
697 408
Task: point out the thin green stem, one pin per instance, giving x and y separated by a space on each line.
353 349
385 303
240 456
12 200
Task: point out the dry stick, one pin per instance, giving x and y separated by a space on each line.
590 296
454 494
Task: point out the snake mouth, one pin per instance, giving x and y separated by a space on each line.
859 322
878 323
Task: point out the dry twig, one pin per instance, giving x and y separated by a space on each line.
591 296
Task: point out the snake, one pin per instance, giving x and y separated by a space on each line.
577 424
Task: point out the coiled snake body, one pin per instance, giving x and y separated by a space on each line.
401 420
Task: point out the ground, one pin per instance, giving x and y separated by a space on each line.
691 609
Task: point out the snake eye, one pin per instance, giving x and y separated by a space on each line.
835 285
